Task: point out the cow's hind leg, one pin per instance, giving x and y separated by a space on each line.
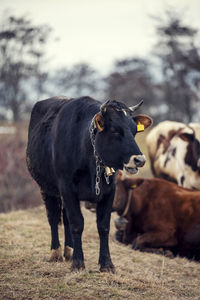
76 222
68 237
76 226
53 207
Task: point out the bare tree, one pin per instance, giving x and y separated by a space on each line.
180 60
21 54
131 81
81 79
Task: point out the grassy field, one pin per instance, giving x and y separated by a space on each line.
25 272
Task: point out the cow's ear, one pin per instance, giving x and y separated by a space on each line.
143 122
121 175
99 122
187 137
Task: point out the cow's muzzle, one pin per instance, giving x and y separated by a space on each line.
135 162
120 223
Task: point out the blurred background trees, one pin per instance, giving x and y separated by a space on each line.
170 89
81 79
180 67
168 82
129 81
21 55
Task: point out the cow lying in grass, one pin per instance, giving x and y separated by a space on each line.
174 151
157 215
74 148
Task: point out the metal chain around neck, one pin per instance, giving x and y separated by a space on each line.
99 162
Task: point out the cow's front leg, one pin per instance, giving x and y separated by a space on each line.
103 211
154 239
76 222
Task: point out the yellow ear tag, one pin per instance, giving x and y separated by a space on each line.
140 127
133 186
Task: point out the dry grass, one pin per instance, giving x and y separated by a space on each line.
25 272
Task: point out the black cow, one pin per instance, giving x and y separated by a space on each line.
73 147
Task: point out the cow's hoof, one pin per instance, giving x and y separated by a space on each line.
56 255
107 269
77 265
67 253
168 253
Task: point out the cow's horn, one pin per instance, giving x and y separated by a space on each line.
103 107
135 107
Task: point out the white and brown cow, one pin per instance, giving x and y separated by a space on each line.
174 151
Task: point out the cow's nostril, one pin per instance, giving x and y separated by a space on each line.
136 160
139 161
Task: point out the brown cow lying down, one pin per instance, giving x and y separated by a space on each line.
157 216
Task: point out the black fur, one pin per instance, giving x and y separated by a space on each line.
60 158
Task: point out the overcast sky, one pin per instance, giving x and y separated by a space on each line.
100 31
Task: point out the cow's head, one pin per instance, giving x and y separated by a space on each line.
192 155
115 143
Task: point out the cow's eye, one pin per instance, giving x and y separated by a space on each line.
115 132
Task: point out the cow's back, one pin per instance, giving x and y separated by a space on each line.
160 132
57 126
39 148
45 110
